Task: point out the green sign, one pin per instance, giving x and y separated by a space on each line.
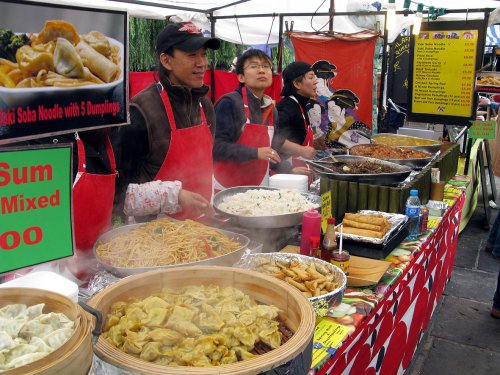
35 206
482 129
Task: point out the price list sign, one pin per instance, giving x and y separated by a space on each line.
444 72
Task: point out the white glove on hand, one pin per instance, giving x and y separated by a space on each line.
152 198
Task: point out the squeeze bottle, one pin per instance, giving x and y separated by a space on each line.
311 226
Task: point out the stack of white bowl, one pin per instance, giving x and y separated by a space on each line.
290 181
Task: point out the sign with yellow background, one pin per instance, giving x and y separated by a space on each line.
444 72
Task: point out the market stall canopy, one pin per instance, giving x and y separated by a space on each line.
241 29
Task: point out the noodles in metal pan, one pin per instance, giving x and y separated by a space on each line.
162 242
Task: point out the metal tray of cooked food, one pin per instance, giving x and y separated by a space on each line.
222 260
269 221
400 172
396 220
414 163
400 140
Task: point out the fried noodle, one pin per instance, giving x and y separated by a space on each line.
162 242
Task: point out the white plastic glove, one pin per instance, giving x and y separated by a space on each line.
152 198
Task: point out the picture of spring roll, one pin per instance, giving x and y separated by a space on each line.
97 63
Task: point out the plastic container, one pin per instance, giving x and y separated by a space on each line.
289 181
342 260
413 213
315 249
311 226
45 280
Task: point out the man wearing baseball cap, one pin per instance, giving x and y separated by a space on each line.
166 153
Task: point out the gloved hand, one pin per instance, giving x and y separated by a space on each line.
152 198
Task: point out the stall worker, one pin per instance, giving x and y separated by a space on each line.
245 144
166 153
299 86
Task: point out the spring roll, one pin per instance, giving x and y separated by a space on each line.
356 224
363 232
367 218
97 63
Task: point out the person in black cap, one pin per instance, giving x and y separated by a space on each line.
165 155
299 85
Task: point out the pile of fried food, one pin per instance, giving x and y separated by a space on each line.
60 57
198 325
385 152
366 225
312 279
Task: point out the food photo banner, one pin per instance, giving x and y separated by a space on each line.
35 209
446 56
62 69
342 111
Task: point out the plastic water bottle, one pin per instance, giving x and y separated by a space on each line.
413 212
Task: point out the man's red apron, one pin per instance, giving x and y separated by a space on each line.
250 172
308 140
93 196
189 157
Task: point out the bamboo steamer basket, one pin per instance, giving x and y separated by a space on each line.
298 316
75 355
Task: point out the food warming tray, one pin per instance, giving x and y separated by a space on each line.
391 178
433 148
269 222
222 260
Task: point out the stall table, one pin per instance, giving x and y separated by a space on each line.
392 316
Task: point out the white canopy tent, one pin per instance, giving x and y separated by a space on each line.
238 27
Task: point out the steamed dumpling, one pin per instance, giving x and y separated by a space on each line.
67 61
56 338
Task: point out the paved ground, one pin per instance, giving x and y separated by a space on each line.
462 337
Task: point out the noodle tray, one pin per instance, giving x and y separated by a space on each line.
414 163
222 260
384 173
263 220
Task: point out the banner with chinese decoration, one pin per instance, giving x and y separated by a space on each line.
342 111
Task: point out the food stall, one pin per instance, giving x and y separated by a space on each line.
374 323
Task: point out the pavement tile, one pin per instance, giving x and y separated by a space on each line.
467 322
447 357
471 284
488 263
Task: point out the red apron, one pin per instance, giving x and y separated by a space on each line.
250 172
189 157
308 140
93 196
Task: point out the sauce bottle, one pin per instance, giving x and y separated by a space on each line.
329 244
315 249
311 226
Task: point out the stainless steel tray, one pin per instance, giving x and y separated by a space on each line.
429 148
413 163
392 178
223 260
272 221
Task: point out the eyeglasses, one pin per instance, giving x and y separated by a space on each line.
257 67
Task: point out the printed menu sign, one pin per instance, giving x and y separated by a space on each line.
62 69
444 72
35 210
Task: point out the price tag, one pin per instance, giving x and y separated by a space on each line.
482 130
326 209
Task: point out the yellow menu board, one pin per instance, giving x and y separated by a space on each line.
443 72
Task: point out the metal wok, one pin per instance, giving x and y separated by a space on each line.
391 178
434 147
272 221
222 260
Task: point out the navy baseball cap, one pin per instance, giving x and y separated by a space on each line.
185 36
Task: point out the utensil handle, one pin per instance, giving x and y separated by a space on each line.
98 320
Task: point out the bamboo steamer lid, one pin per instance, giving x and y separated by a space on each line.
298 315
75 355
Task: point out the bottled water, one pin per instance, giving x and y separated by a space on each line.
413 212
